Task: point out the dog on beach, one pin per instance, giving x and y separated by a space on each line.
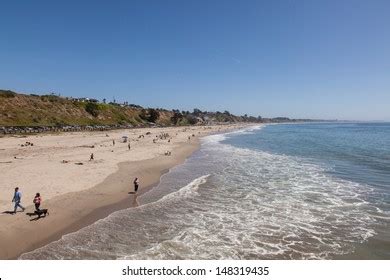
39 213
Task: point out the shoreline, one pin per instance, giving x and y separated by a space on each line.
72 211
154 171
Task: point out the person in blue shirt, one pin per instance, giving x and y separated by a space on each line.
17 199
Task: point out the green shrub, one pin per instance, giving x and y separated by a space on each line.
153 115
7 94
92 108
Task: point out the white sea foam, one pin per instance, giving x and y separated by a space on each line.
217 138
296 210
189 190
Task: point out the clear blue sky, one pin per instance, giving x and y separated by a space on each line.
316 59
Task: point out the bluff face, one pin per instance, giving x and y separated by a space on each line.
51 110
32 110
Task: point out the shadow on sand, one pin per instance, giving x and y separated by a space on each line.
8 212
39 214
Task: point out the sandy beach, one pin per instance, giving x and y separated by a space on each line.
76 190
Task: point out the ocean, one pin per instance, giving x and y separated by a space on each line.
286 191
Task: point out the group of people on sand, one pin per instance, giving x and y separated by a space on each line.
92 157
17 199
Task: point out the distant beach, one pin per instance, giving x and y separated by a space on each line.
76 190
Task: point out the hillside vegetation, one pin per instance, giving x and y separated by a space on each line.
52 110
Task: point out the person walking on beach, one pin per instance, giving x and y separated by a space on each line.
129 146
17 199
37 201
136 185
113 142
91 157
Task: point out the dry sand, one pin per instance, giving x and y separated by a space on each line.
78 195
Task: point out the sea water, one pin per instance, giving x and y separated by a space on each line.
288 191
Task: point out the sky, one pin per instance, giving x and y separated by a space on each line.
300 59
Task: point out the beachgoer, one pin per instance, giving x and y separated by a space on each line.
17 199
37 201
113 142
91 157
129 146
136 185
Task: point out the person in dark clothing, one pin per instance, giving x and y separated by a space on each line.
136 185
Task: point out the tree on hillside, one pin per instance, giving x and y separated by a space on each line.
197 112
150 115
143 114
7 93
153 115
177 116
191 119
92 108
